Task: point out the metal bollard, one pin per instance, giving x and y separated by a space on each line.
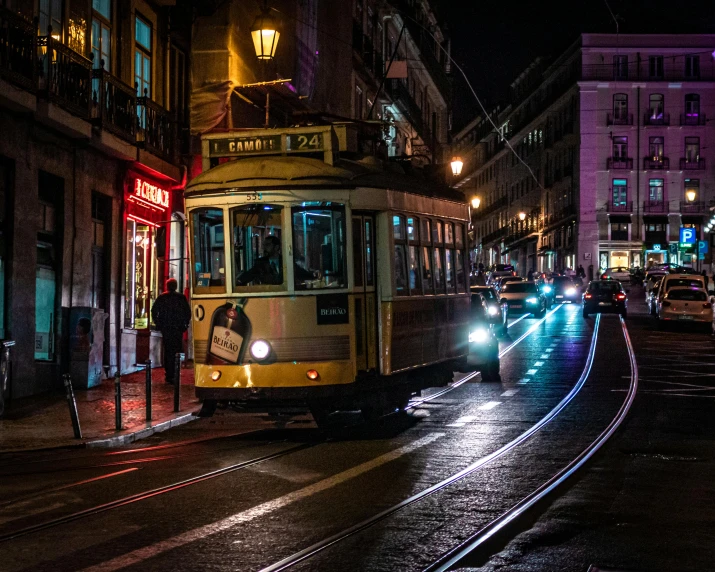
148 389
177 379
117 403
72 402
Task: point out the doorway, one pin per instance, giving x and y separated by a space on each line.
365 297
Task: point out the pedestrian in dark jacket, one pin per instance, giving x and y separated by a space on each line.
171 314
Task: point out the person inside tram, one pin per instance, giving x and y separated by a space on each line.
268 269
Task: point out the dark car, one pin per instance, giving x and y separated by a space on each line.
483 344
565 290
497 309
524 297
605 296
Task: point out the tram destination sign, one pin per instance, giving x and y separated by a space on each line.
266 144
236 146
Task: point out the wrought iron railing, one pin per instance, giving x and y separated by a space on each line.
697 164
621 207
114 105
18 50
656 163
620 119
155 129
655 206
692 119
65 77
662 119
619 163
696 207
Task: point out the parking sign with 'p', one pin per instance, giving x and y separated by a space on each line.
687 236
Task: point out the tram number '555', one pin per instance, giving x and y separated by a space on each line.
254 197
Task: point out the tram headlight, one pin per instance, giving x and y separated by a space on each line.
260 349
312 374
493 311
480 335
216 375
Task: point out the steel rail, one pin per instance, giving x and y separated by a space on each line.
472 468
449 559
199 478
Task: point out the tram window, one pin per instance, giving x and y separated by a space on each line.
425 230
257 247
427 287
414 271
398 227
319 246
437 232
438 271
357 251
412 230
459 235
449 269
209 263
459 267
448 234
400 271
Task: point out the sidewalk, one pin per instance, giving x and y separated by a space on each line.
44 421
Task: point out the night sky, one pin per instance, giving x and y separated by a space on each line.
494 41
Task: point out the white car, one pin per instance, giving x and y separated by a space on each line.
619 273
674 281
686 304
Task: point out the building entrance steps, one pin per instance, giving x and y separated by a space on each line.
44 421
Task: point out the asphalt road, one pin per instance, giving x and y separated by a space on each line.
254 494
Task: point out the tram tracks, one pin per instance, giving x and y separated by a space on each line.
138 497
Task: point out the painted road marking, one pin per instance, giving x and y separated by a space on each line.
142 554
523 381
456 425
549 350
531 372
538 363
510 392
489 405
544 356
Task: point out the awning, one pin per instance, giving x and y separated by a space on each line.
619 218
655 219
282 97
692 219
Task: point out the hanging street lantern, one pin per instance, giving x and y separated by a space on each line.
690 195
522 215
476 201
456 165
265 35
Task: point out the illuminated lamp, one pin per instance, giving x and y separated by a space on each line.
457 165
476 201
690 195
522 215
265 35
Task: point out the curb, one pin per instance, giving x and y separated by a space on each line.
127 438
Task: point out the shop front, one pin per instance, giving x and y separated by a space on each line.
154 250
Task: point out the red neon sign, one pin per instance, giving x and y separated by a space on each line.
145 192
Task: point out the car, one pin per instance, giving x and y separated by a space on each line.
500 270
604 296
651 294
524 297
498 310
686 304
620 273
504 279
674 280
483 355
564 290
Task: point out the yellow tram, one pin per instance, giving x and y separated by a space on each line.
321 276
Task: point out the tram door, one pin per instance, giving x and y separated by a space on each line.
365 291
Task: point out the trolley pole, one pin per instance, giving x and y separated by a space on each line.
177 379
72 403
117 402
148 389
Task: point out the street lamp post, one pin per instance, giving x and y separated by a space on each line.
265 34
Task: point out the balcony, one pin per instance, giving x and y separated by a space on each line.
655 207
661 119
499 203
620 119
114 105
695 207
600 72
493 236
623 207
656 163
399 93
619 163
697 165
17 50
692 119
155 130
65 77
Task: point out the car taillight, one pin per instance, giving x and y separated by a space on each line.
621 297
666 303
707 305
587 296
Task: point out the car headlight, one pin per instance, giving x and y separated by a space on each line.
532 300
570 291
546 289
493 310
479 335
260 349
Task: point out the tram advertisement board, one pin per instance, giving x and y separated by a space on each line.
333 309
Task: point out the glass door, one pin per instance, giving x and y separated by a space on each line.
365 298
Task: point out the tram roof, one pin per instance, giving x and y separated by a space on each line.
281 172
